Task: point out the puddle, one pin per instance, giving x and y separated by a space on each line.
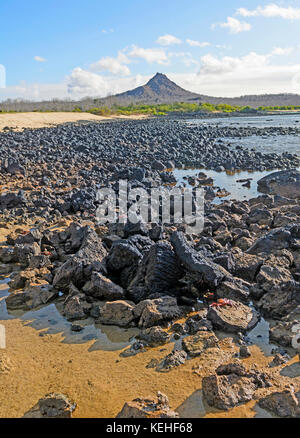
110 338
50 320
262 413
194 406
228 181
260 336
291 370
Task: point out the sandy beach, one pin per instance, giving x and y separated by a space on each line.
33 120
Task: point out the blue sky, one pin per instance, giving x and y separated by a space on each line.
74 48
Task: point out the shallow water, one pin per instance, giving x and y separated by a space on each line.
268 145
268 121
195 406
265 144
228 181
50 321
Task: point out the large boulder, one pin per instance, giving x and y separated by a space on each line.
172 360
196 263
226 392
11 200
122 254
76 307
284 404
232 385
277 239
271 276
101 287
196 344
118 313
30 237
32 297
154 336
234 289
154 312
148 408
284 183
78 268
283 332
53 405
247 266
233 318
22 253
280 300
260 216
158 272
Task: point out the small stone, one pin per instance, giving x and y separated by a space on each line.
244 351
76 328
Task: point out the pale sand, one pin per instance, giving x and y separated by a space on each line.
41 120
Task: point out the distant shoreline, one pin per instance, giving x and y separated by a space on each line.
35 120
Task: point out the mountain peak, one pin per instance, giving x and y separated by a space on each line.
159 89
158 78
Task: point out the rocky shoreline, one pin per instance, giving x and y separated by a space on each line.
172 286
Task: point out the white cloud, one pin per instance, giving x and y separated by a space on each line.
80 83
228 64
39 59
83 83
185 57
106 31
168 40
158 56
270 79
252 73
218 76
282 51
116 66
234 25
271 10
194 43
212 65
225 76
34 91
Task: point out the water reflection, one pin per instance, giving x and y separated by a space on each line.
283 120
194 406
227 180
291 370
49 321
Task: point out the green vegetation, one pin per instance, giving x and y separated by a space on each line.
164 109
279 108
181 107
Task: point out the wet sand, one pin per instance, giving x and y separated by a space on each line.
101 381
